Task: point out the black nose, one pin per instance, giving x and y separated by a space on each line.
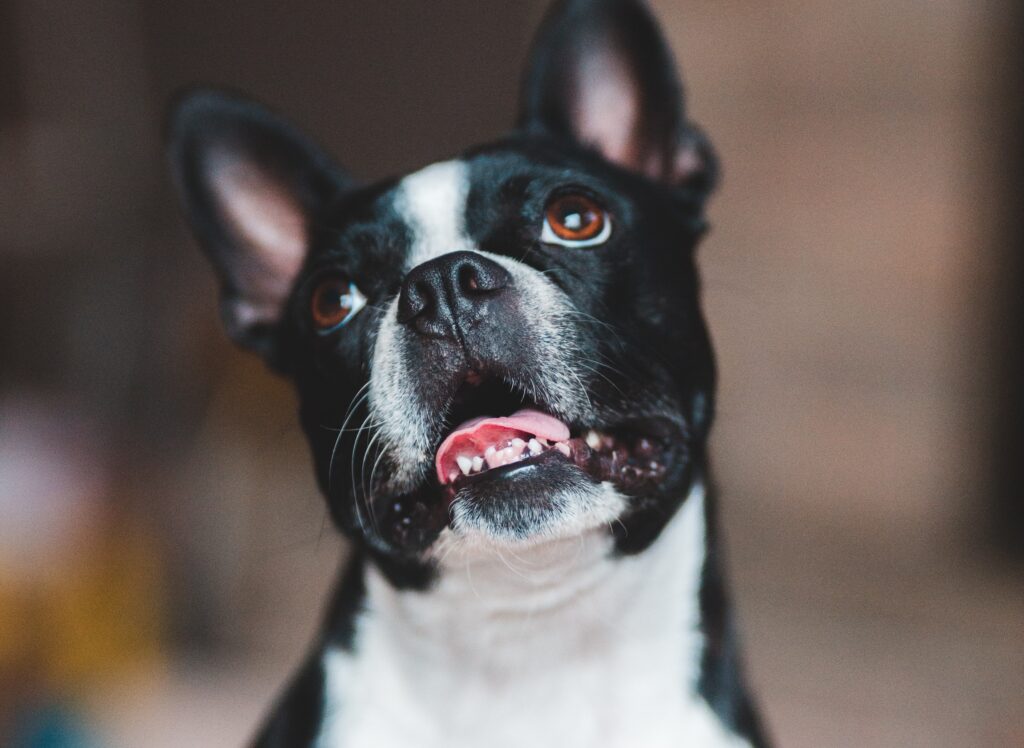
446 294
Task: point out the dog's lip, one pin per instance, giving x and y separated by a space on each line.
506 471
635 456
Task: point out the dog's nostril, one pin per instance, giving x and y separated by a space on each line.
476 277
468 280
414 300
422 294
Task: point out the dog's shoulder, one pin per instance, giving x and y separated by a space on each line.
296 718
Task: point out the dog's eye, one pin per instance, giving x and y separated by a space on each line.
575 221
334 302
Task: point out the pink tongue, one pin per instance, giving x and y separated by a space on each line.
477 434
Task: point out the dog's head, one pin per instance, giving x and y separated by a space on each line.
507 345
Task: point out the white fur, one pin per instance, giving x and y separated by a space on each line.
433 203
404 425
553 644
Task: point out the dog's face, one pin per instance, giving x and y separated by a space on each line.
506 345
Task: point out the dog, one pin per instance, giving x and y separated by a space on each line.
507 384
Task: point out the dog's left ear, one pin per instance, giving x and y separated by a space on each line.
601 74
252 187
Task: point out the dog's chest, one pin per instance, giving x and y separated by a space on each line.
601 703
600 652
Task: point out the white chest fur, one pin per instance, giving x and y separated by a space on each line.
557 645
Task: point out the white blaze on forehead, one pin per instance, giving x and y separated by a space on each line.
433 203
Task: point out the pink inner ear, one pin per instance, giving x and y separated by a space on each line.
608 111
269 225
688 161
606 107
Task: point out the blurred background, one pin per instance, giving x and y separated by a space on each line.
163 552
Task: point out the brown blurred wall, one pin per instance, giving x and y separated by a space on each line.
845 275
848 267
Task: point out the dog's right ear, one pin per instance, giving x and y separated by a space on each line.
251 186
601 73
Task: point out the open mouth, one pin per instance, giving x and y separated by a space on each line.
499 432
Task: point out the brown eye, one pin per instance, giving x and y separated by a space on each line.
575 221
334 302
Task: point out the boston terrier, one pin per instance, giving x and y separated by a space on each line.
507 384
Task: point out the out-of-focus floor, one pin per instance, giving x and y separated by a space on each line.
853 641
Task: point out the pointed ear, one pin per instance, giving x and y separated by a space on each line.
251 186
601 74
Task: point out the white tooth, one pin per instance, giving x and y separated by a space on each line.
465 464
489 451
534 446
478 463
593 440
453 475
518 443
509 454
563 447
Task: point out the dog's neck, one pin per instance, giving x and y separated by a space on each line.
533 596
532 627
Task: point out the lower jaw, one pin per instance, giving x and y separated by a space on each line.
533 502
410 523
